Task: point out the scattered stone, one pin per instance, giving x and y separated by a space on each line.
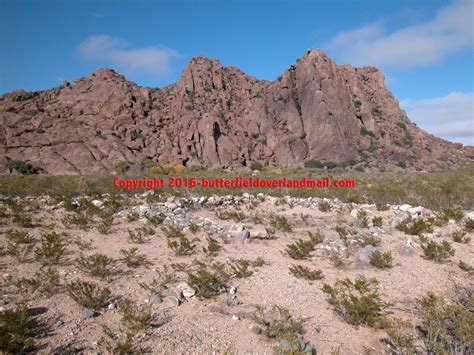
242 236
87 313
186 290
366 253
155 299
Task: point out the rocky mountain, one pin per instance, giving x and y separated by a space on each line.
316 113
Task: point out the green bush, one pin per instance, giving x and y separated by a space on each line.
16 331
97 265
381 260
437 251
358 302
306 273
88 294
51 249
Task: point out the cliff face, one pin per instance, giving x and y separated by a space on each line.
218 116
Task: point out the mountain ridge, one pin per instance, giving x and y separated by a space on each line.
315 113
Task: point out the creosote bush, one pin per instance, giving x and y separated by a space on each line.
324 206
381 260
16 331
362 218
415 226
301 249
51 249
172 231
445 327
81 219
207 279
182 246
306 273
401 335
97 265
377 222
132 258
20 252
212 248
358 302
465 266
112 344
278 323
460 236
19 236
280 222
43 282
105 224
88 294
136 318
135 237
469 225
437 251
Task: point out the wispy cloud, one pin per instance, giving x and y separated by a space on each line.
96 15
450 117
115 52
417 45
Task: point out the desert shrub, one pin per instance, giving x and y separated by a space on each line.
278 323
401 335
364 131
193 227
205 282
414 227
42 281
377 222
157 219
19 236
358 302
255 165
133 216
16 331
105 224
240 268
369 240
324 206
182 246
20 252
445 215
81 219
135 318
97 265
280 222
465 266
23 221
336 259
23 167
381 260
213 246
304 272
172 231
445 328
460 236
381 206
237 216
88 294
135 237
51 249
437 251
300 249
469 225
362 219
166 276
122 167
316 237
342 231
113 345
132 258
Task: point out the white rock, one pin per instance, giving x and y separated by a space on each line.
97 203
404 208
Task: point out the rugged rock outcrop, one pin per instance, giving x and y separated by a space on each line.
218 116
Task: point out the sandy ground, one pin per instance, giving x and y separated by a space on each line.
225 323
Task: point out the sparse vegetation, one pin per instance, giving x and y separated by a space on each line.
381 260
358 302
212 248
306 273
280 222
324 206
414 226
465 266
362 219
136 237
19 236
460 236
377 222
16 331
20 252
135 318
97 265
132 258
51 249
105 224
42 281
88 294
437 251
182 246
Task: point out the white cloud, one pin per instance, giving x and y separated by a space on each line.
417 45
115 52
450 117
96 15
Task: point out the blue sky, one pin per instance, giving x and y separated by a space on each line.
424 48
